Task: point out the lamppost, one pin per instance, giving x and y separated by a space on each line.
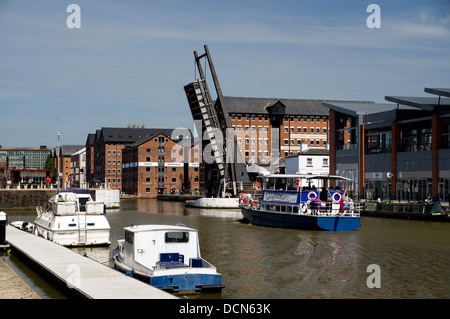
57 177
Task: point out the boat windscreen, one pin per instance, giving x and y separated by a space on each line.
177 237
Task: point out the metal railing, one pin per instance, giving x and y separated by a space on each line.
349 209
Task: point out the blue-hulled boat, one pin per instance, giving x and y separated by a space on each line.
166 257
302 208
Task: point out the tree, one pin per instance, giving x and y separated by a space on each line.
48 163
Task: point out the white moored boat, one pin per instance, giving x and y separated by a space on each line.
166 257
73 218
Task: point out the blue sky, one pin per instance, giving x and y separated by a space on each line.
129 61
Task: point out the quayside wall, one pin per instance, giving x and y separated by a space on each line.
27 198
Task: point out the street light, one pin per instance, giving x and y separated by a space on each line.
57 177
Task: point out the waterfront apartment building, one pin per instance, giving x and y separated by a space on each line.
269 128
157 164
398 150
104 153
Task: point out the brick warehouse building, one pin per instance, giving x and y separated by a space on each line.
104 153
269 128
156 164
399 150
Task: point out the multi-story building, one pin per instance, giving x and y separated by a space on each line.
24 166
398 150
78 169
106 149
4 177
156 164
25 157
267 129
65 160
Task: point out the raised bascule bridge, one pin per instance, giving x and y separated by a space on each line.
225 171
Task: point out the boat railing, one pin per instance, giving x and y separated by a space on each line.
254 201
314 208
193 263
350 209
39 210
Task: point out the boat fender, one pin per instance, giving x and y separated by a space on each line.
313 195
339 197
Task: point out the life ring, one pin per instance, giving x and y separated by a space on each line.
339 197
297 181
304 208
313 193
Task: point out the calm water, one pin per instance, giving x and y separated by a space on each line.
259 262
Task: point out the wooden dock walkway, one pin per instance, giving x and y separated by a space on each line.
84 276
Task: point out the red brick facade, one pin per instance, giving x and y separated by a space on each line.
254 134
155 165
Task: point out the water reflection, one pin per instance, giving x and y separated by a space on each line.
260 262
327 264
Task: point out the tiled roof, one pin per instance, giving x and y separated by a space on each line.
292 106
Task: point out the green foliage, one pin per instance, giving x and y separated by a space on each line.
48 162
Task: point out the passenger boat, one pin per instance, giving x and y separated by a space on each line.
302 208
73 218
166 257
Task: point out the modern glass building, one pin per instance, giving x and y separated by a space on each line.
27 157
399 150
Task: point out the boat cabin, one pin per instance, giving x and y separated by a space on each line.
72 201
150 247
282 194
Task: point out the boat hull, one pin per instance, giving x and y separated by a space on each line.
221 203
186 282
420 211
58 230
297 221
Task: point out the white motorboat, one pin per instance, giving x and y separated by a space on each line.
73 218
23 225
166 257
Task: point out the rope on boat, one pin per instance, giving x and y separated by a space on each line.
129 273
102 262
